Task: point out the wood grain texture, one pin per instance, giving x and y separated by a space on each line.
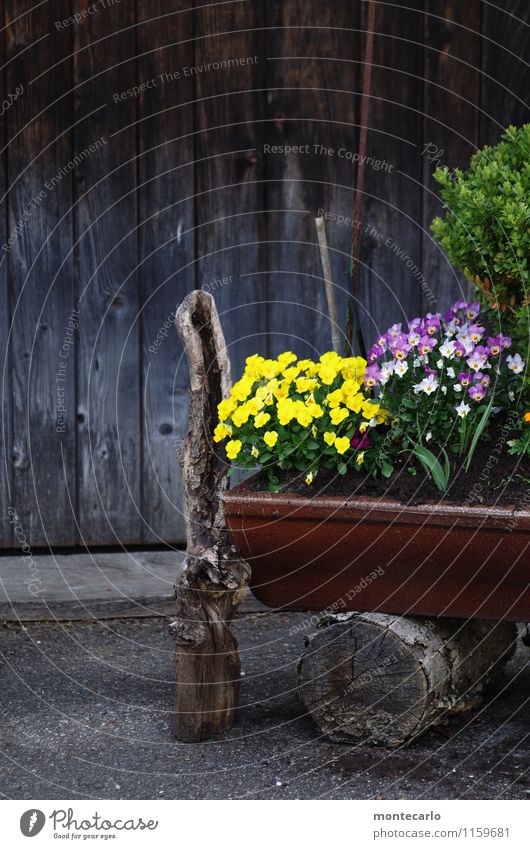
391 225
240 224
386 680
229 198
166 252
450 127
109 365
41 274
312 79
505 72
214 579
6 468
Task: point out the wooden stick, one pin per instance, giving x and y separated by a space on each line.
365 109
330 295
215 578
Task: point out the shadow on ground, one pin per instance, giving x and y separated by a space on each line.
85 713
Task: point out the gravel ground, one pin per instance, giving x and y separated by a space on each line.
84 713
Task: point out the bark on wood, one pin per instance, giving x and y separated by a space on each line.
215 578
386 679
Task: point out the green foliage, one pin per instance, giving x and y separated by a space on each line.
486 227
432 465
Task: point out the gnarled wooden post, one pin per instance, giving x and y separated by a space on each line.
215 578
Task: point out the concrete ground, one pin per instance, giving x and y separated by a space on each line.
85 712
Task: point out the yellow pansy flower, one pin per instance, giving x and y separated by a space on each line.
221 432
240 416
335 398
254 406
338 415
330 437
342 444
360 458
254 451
226 408
261 419
270 438
286 410
355 402
233 448
353 368
241 389
370 410
315 409
303 417
309 478
286 358
306 384
269 369
327 373
291 373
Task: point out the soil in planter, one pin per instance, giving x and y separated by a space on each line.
493 478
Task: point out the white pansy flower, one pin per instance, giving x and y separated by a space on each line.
400 368
428 385
515 363
462 409
448 348
451 372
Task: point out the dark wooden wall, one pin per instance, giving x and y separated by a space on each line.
181 192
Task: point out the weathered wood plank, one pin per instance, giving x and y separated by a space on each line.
41 274
109 365
450 128
229 197
505 73
166 246
6 467
391 220
312 79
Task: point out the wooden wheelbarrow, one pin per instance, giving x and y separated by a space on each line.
419 604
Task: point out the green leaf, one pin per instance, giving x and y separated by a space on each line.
387 469
479 429
342 468
433 467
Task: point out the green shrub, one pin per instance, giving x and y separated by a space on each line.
485 230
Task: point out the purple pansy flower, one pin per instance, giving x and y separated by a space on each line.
460 350
372 375
472 310
464 378
477 392
431 325
498 343
427 343
375 352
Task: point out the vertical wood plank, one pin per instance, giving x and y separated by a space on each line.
505 72
166 251
6 467
109 366
229 63
450 128
391 225
312 79
41 272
